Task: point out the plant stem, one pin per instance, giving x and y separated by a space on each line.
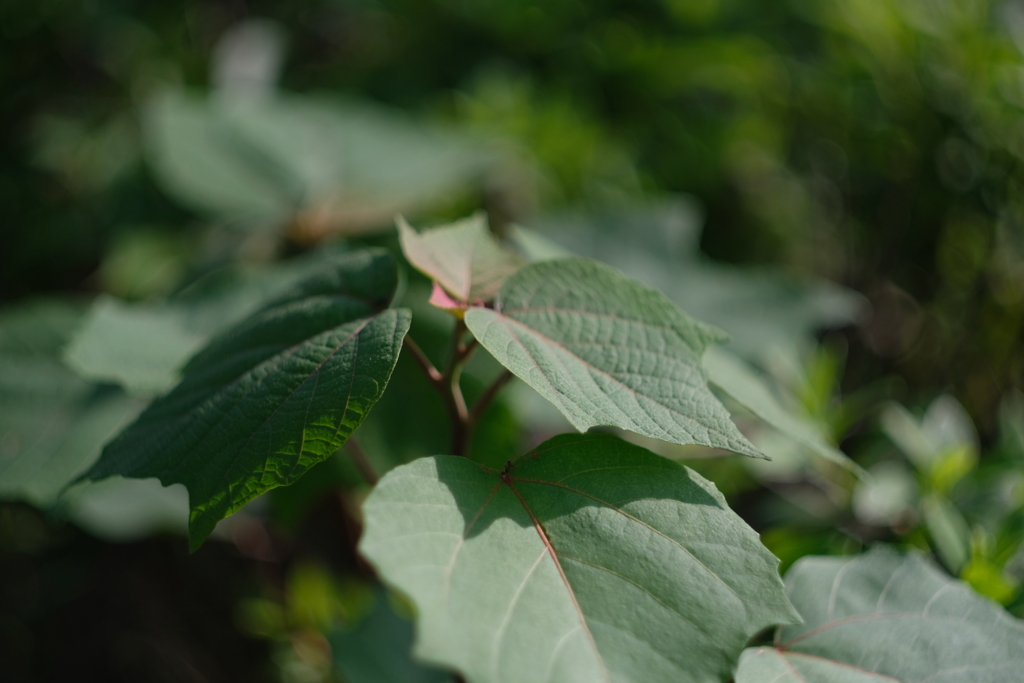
362 463
421 359
458 413
486 398
447 385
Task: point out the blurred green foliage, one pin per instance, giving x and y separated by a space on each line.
876 144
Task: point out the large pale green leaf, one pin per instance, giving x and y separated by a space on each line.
139 346
345 165
463 257
607 350
741 382
886 616
51 422
272 397
589 559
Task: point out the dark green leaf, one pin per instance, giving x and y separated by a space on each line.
884 616
272 397
607 350
144 346
591 559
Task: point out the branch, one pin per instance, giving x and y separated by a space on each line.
432 373
488 396
362 463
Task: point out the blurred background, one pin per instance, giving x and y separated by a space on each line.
835 184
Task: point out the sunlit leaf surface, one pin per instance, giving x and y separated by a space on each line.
607 350
885 616
589 559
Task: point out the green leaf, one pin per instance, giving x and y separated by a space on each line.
590 559
763 311
138 346
885 616
746 387
462 257
948 530
607 350
143 347
339 165
377 649
51 422
272 397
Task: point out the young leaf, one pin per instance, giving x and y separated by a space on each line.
885 616
272 397
464 258
590 559
607 350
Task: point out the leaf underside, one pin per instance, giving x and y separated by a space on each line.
590 560
607 351
885 616
272 397
464 258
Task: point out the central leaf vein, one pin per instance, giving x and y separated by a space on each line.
561 572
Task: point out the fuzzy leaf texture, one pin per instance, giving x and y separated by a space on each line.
464 258
273 396
607 350
589 560
885 616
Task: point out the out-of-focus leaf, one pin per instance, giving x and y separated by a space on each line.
905 431
140 347
462 257
606 350
51 423
951 466
945 428
271 397
124 510
377 650
883 616
948 530
630 237
762 311
947 424
742 383
887 496
989 580
532 573
328 165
